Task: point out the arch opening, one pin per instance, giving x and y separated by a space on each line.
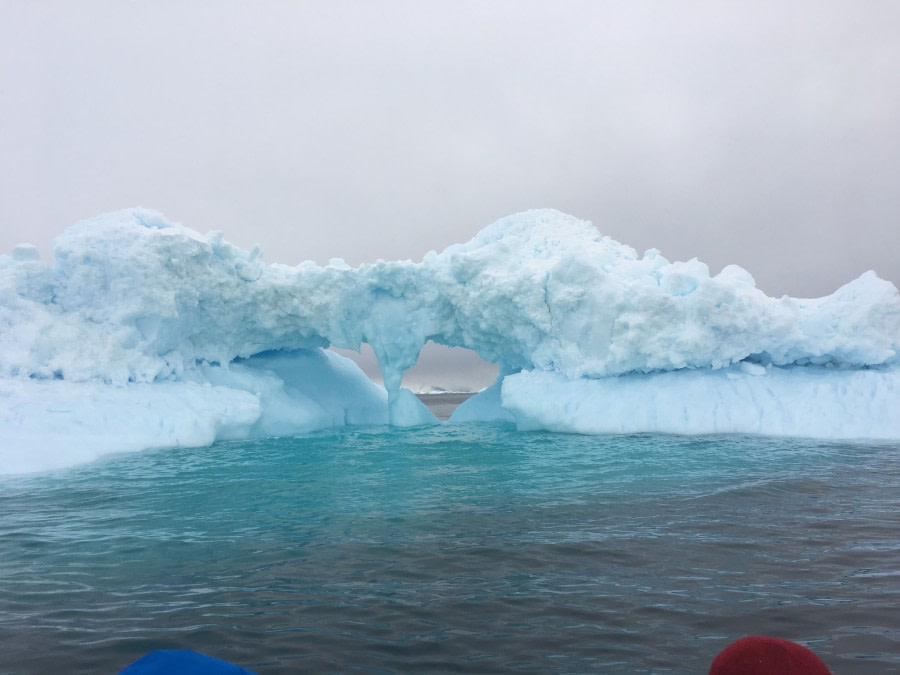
442 378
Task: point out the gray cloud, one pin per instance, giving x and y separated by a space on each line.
758 133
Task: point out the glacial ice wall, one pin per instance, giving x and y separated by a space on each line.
134 299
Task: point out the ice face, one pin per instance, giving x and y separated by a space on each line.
134 299
749 399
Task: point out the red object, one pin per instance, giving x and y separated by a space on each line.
759 655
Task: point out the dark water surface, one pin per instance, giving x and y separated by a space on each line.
460 548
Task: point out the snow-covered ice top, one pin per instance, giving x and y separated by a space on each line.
132 297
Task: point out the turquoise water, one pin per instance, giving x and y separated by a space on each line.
457 548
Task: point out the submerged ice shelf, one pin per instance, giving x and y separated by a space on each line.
144 333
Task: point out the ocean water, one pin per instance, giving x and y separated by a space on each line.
466 548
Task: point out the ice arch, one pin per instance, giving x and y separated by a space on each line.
573 319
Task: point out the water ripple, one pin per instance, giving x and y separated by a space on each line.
466 548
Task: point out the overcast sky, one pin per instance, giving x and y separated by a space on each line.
760 133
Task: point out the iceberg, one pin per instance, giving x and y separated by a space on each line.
144 333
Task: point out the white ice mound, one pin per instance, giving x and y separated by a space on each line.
134 299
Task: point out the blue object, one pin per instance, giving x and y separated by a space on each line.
182 662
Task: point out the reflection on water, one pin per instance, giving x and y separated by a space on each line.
443 405
455 548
